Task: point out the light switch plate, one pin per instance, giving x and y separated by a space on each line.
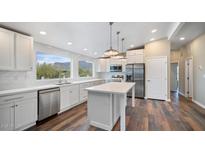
204 76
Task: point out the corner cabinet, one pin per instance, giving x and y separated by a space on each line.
103 65
15 51
18 112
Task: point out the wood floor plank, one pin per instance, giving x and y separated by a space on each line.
148 115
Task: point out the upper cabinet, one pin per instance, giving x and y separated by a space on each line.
24 47
6 49
103 65
15 51
135 56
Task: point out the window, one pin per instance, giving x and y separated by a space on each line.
52 66
85 69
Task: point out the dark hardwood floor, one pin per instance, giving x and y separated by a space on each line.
148 115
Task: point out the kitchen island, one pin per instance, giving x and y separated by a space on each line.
107 103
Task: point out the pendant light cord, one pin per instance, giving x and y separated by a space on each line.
118 43
111 34
123 44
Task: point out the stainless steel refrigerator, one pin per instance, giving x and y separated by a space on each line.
136 73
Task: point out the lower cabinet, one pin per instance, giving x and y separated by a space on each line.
69 96
25 113
7 117
18 112
72 95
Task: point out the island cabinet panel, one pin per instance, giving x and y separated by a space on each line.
103 112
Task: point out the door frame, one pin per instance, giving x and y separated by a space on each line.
174 62
166 85
192 78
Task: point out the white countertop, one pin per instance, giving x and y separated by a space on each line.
41 87
113 87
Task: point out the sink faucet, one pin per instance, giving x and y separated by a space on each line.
61 77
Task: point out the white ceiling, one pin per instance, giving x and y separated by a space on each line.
189 30
95 35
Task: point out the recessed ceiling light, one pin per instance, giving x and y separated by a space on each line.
182 38
152 39
154 30
85 49
43 33
69 43
132 45
95 53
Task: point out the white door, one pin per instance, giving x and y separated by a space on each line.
189 77
25 113
7 116
156 78
24 47
6 49
65 97
174 77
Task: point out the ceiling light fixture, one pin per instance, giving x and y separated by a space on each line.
85 49
132 45
154 30
110 52
182 38
69 43
43 33
152 39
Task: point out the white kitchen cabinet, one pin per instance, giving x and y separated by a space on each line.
25 113
15 51
24 48
74 94
103 65
135 56
18 112
6 49
69 96
7 116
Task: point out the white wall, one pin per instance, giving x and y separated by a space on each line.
10 80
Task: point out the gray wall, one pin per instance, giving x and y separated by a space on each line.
195 49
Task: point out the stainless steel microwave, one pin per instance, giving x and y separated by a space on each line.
115 68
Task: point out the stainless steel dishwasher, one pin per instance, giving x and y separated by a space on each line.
48 103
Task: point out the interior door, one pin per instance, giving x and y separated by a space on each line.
156 78
174 78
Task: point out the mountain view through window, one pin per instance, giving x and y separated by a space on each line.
85 69
52 66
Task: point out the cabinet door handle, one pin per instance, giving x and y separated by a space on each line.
12 106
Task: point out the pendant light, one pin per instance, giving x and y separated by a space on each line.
110 52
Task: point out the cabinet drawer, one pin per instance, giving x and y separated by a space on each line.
17 97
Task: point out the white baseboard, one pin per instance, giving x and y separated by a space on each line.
168 100
198 103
